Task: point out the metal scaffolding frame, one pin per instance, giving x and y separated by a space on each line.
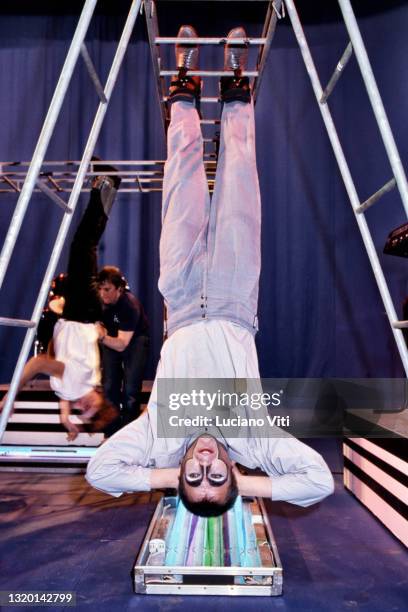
55 178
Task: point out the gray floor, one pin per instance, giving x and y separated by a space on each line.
59 534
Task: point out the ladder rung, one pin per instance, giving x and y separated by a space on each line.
172 40
210 121
16 322
53 196
376 196
400 324
205 100
112 173
93 74
337 73
210 73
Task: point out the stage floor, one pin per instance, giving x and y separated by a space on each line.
58 534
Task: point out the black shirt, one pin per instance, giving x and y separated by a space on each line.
126 315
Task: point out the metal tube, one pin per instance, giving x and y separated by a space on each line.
152 33
45 136
17 322
400 324
269 32
348 182
12 185
338 71
172 40
210 73
54 181
375 99
71 162
60 240
279 5
53 196
376 196
92 73
202 100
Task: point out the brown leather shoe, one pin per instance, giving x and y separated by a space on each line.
235 58
187 54
236 55
184 87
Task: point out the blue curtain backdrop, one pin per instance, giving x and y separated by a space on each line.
320 311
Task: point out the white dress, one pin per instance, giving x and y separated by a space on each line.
76 345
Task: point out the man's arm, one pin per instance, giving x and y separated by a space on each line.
296 473
253 486
119 464
118 343
165 478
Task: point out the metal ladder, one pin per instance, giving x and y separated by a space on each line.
356 43
33 181
163 75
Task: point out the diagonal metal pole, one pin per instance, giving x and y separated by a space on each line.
45 136
375 99
66 221
269 32
348 182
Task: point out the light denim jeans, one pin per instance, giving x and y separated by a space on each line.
210 248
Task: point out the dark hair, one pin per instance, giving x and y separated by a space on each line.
111 274
59 286
107 414
205 507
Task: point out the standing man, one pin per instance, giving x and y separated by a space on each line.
124 341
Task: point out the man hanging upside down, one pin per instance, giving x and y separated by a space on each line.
209 274
72 361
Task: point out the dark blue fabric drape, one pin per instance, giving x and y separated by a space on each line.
320 311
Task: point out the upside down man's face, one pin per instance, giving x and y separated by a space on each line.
206 470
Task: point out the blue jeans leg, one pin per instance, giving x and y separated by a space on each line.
134 362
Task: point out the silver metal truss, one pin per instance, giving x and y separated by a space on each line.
31 179
389 143
58 177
